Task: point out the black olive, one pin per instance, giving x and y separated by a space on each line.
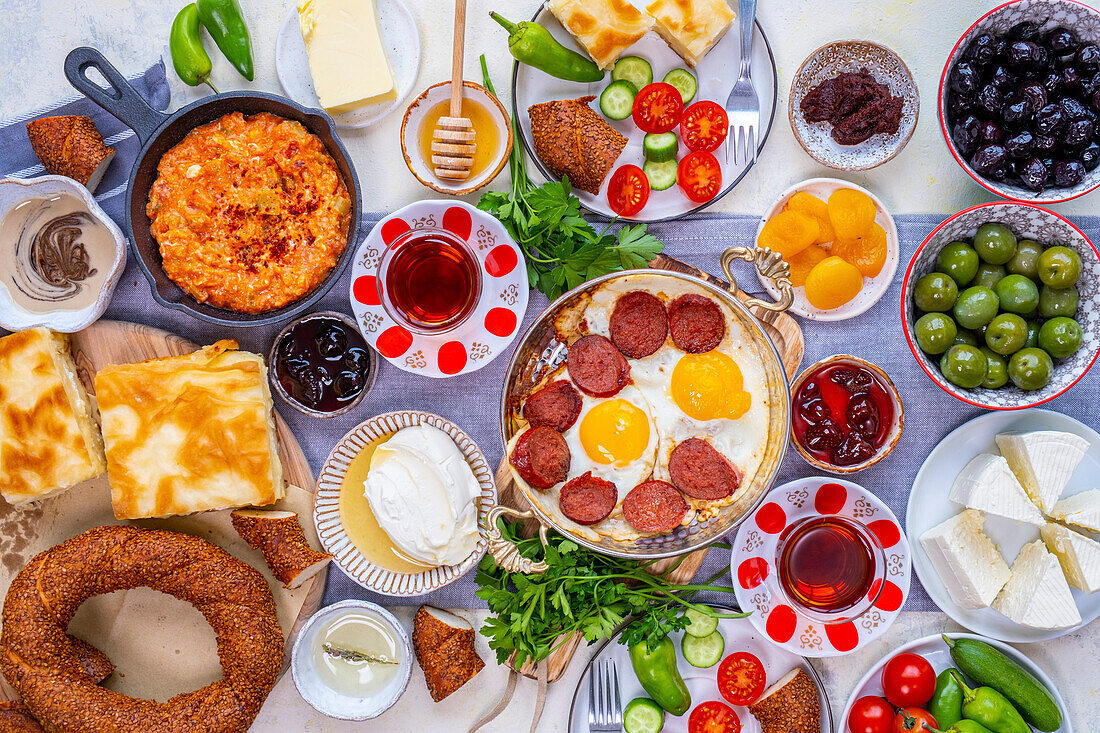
1035 94
1068 173
1016 111
989 158
1023 55
992 132
1073 108
1052 81
983 49
1003 79
1050 120
1088 57
1020 145
967 134
1071 80
991 99
332 341
965 79
1033 174
1025 31
348 384
1062 41
1042 60
357 359
1045 143
1090 156
959 106
1094 100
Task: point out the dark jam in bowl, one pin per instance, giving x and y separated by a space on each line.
322 363
842 414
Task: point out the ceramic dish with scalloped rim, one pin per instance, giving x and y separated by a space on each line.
330 527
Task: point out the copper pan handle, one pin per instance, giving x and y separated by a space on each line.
507 554
770 265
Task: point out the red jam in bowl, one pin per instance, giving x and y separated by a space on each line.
842 414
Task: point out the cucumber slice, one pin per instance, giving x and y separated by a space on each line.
684 82
703 651
617 101
660 175
642 715
633 69
660 146
700 623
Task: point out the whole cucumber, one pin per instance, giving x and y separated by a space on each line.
990 667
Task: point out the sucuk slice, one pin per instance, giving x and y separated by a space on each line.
557 406
696 323
587 499
639 324
596 366
654 506
701 472
541 457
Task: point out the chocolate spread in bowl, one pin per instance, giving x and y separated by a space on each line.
855 105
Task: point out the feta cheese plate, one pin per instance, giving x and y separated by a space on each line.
1036 594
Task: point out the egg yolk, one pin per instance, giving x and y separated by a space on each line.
709 386
614 431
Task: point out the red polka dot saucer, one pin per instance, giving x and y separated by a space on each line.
489 329
758 587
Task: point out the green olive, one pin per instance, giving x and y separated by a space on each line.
1006 333
1030 368
1058 302
1026 260
1059 267
988 275
966 337
960 261
1032 333
935 293
964 366
976 307
1017 294
935 332
995 243
1060 337
996 373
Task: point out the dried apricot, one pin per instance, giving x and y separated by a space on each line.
867 253
810 205
832 283
851 212
803 262
788 233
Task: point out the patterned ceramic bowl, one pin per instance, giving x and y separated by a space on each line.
330 526
1078 17
851 56
1047 228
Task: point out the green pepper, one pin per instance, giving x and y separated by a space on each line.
533 45
946 703
962 726
659 677
990 708
226 26
185 42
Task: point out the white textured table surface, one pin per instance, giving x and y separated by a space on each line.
36 35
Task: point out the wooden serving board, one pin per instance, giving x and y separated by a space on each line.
115 342
784 332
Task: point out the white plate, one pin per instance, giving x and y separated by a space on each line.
401 40
873 288
716 74
929 506
934 649
739 635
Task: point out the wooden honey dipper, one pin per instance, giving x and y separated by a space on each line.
453 143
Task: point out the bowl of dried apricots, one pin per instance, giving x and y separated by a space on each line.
841 245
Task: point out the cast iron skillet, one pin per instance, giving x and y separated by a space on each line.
158 132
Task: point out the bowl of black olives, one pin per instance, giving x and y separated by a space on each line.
1019 100
321 365
1001 305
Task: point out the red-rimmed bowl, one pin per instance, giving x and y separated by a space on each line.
1083 20
1028 221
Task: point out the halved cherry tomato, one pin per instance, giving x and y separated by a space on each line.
657 107
628 190
908 679
704 126
699 176
914 720
714 717
741 678
870 714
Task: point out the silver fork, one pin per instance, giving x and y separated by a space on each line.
605 708
743 106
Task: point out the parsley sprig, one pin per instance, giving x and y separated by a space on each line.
561 248
582 591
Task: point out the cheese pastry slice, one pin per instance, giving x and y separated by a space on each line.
691 27
604 28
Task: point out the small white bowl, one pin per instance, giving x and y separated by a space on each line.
873 288
410 137
328 701
14 191
330 527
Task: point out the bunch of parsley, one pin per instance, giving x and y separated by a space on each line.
582 591
562 250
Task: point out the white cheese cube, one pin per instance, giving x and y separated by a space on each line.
1037 594
1078 555
1081 510
1043 461
968 563
988 484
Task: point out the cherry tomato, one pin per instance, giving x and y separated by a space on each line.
714 717
657 107
908 679
870 714
704 126
699 176
913 720
628 190
741 678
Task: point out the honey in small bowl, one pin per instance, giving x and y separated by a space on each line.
485 130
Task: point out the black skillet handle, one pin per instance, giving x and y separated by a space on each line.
120 99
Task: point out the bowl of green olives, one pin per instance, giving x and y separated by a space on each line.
1001 305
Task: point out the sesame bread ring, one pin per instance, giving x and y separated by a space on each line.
40 662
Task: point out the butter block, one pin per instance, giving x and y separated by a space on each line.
346 56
